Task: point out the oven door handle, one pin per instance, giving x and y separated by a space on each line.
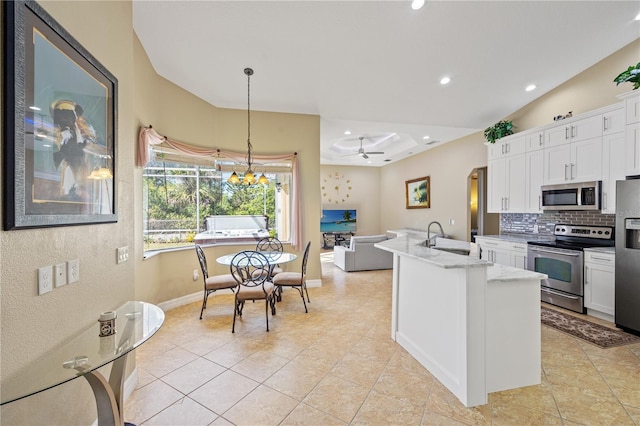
562 253
559 294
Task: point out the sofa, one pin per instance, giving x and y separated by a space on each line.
361 255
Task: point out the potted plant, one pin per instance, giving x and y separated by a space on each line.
499 130
631 75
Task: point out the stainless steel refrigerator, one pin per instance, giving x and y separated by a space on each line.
628 255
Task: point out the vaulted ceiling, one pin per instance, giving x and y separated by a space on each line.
374 67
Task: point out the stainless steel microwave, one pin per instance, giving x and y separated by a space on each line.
571 196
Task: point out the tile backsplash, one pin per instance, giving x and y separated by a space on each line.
523 223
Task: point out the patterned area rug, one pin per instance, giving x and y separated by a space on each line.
597 334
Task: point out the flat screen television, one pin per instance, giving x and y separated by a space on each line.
343 220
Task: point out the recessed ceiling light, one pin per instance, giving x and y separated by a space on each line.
530 87
347 132
426 137
445 80
417 4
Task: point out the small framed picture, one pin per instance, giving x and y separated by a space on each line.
418 193
60 125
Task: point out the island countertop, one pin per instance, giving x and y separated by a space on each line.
408 246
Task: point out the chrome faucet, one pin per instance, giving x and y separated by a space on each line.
428 242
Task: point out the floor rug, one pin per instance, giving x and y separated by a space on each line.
597 334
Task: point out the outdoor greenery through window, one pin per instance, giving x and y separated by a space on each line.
179 196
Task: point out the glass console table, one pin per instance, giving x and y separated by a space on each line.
136 322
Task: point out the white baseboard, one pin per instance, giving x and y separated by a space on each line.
314 283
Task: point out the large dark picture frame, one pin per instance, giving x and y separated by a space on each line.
60 125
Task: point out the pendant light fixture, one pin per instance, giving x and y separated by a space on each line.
249 177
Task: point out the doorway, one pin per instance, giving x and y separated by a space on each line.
480 222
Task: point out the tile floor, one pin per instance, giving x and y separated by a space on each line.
337 365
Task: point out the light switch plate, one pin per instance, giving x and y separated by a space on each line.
61 274
122 254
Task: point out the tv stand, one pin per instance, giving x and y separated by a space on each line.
332 239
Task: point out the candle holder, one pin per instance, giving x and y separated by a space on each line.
107 323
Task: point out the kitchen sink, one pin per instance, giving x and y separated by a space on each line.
460 251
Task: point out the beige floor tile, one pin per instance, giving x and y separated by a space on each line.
263 406
581 406
223 391
259 366
296 379
149 400
413 386
379 408
359 368
185 412
193 375
443 402
306 415
337 397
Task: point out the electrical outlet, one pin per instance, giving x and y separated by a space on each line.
452 222
61 274
535 228
122 254
73 270
45 279
195 275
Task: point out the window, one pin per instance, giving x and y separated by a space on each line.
179 194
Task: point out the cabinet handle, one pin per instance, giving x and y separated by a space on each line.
604 259
574 131
540 140
586 275
571 173
506 203
605 123
508 147
502 146
566 166
566 133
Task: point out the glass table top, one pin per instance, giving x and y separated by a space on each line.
136 322
273 257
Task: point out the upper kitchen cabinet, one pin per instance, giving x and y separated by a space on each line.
507 146
632 134
613 121
575 131
576 162
534 140
506 176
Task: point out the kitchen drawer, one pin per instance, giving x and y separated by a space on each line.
599 258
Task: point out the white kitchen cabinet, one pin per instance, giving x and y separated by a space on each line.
632 149
613 121
534 177
574 131
534 140
518 255
613 169
503 252
507 146
506 185
632 107
575 162
599 282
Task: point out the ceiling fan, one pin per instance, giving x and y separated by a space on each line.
361 152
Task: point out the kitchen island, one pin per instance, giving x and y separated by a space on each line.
474 325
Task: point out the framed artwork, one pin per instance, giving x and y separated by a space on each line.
60 118
418 193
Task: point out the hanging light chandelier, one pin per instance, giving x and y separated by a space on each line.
249 175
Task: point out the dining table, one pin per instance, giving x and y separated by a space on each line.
273 258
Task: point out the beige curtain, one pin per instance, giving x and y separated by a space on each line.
148 137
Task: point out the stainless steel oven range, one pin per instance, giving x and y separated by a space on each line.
562 260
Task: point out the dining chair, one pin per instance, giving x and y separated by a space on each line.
250 269
297 280
213 283
271 244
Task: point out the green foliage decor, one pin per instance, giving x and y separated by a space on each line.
499 130
630 75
